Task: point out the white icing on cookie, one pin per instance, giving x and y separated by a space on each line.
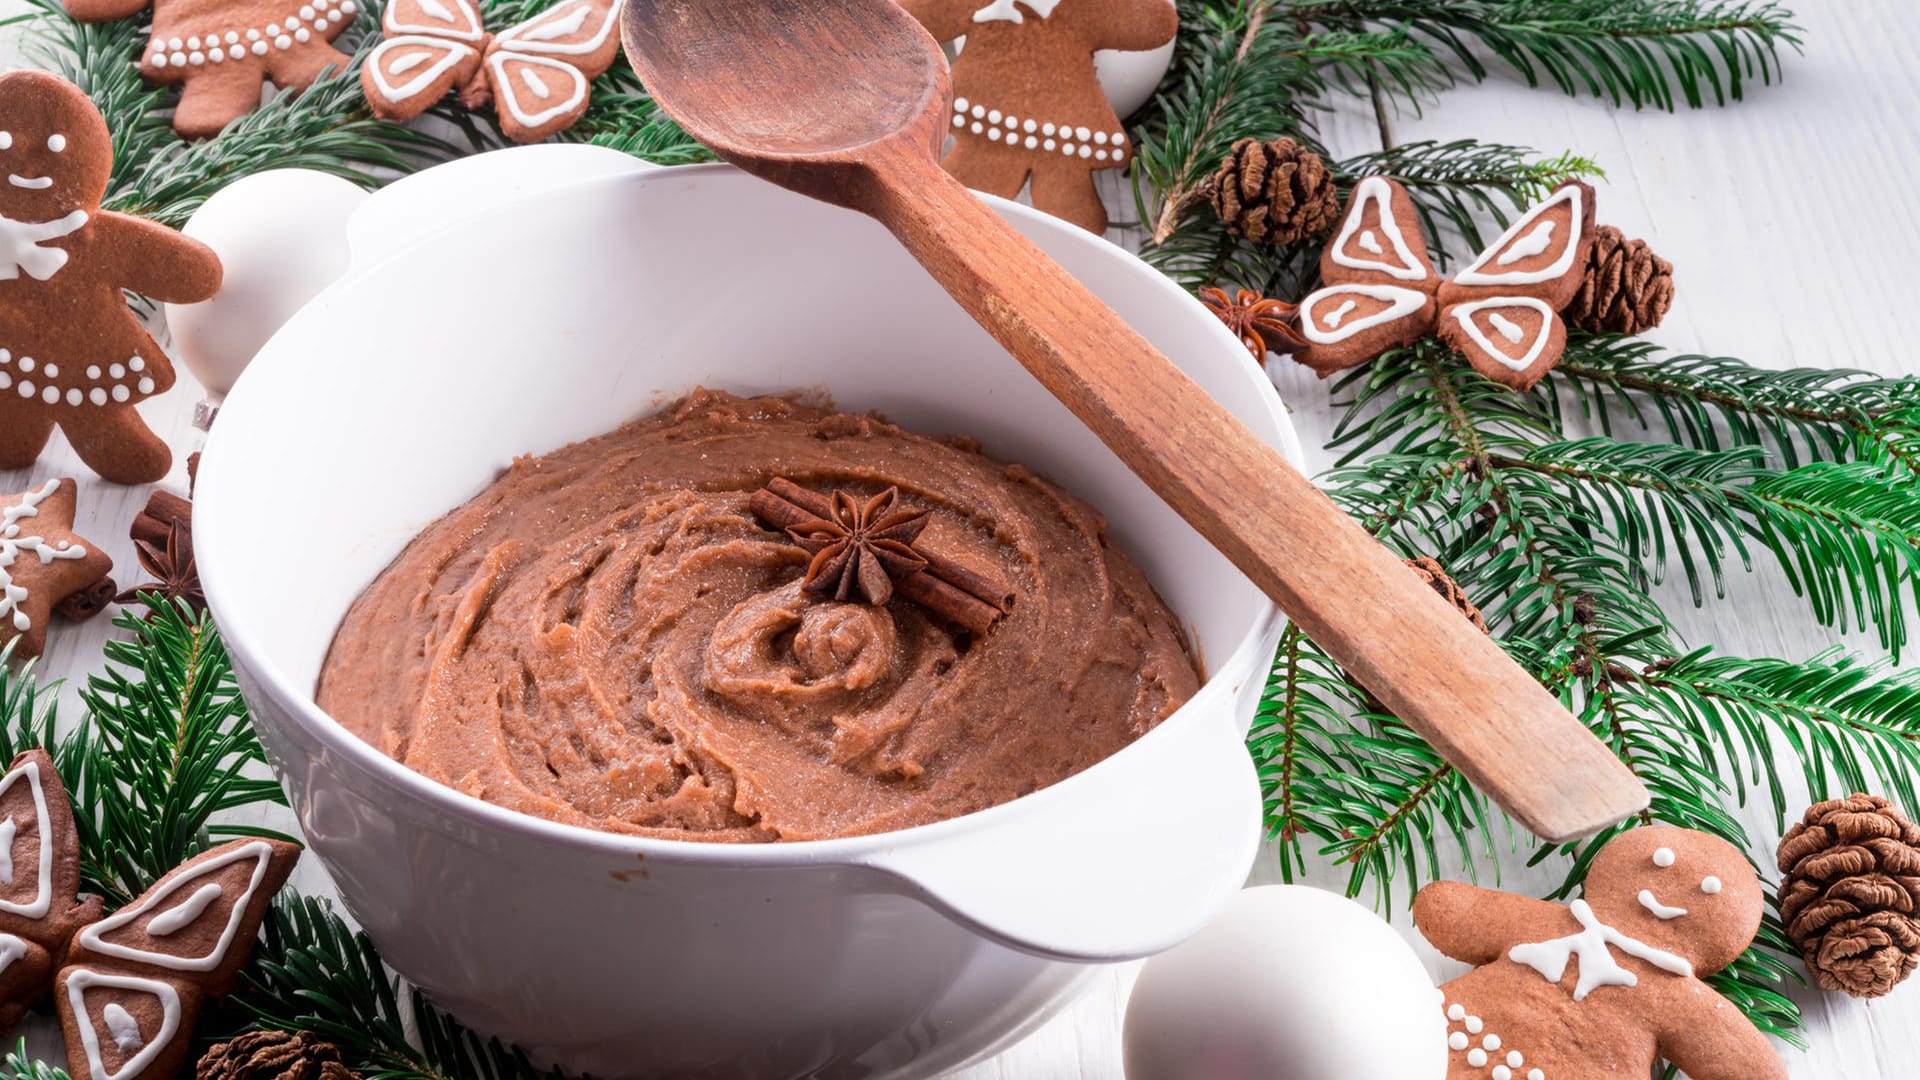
1478 274
1464 313
13 542
11 948
1663 857
1710 885
532 115
1660 910
20 241
122 1027
175 919
1400 303
1375 191
92 938
83 979
1593 946
42 901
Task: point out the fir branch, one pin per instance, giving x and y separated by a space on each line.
1241 76
19 1065
1361 61
1639 52
167 748
1714 403
315 973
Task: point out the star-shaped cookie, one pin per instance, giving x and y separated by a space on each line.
42 562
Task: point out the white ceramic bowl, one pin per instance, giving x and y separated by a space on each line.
594 291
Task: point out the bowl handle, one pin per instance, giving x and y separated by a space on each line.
1122 861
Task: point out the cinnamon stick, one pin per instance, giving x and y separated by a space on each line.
952 592
164 511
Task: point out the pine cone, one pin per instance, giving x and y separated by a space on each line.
1851 896
1435 575
273 1055
1275 193
1627 290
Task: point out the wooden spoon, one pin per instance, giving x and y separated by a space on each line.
846 101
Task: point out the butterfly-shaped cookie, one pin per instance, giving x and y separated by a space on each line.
1501 312
133 982
39 881
538 75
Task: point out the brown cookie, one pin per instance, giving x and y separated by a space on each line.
197 923
125 1027
1542 255
1380 241
1612 983
42 562
132 985
1514 340
1027 102
1348 325
219 54
538 74
72 353
39 877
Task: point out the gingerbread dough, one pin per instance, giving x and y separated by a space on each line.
607 636
1027 102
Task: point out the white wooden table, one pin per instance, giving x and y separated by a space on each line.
1792 223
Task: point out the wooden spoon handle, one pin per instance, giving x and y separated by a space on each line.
1449 682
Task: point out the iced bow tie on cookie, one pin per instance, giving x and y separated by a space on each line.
22 250
134 982
1501 312
1608 985
537 74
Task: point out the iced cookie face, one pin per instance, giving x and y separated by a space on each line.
55 152
1682 891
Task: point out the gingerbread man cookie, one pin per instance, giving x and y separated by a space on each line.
1610 984
42 562
132 984
72 353
220 52
1027 101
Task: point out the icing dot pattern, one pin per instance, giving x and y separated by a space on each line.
317 17
1034 134
1468 1037
117 384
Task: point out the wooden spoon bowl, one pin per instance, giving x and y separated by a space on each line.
845 100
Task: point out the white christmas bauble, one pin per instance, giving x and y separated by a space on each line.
1130 78
1289 983
282 237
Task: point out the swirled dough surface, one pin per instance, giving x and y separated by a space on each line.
606 636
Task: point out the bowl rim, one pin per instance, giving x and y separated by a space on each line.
334 738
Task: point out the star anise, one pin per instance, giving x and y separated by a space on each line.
862 547
172 566
1263 324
